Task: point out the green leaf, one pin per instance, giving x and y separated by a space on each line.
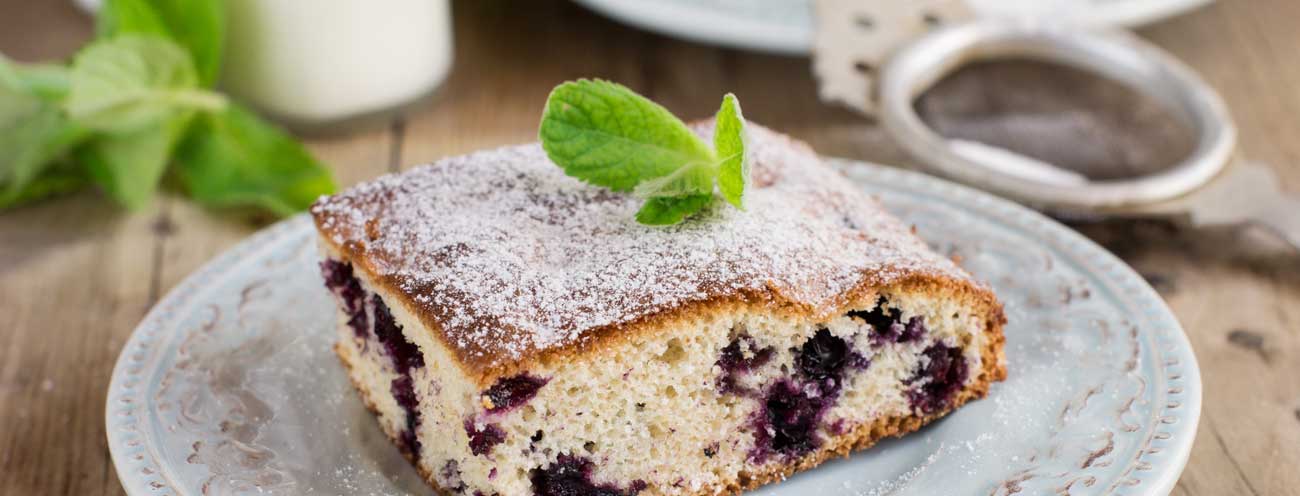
607 135
46 81
117 17
33 134
729 144
132 82
693 179
129 165
233 158
199 26
666 211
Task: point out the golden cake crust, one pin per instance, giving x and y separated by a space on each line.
508 262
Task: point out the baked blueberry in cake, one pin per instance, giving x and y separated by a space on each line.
517 332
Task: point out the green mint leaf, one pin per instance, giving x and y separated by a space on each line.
129 165
693 179
606 134
199 26
131 82
234 159
46 81
33 134
117 17
729 144
664 211
31 139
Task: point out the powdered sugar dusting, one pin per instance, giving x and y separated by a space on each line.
506 256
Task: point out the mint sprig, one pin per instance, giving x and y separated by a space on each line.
136 103
607 135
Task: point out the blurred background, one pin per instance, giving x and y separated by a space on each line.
78 271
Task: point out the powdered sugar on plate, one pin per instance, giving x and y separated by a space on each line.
507 256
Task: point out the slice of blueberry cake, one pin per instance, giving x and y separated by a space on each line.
517 332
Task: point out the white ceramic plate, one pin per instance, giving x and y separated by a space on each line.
229 385
786 26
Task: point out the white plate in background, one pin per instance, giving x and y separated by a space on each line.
786 26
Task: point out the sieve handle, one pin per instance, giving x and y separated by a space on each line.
1246 193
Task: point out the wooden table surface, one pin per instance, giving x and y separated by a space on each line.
77 274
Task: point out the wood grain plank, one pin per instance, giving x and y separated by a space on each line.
74 280
78 253
43 30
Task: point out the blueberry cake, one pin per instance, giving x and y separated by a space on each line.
517 332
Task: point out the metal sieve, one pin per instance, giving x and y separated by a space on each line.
1211 186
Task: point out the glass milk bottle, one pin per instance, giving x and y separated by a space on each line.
326 65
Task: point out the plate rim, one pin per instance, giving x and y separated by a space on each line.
715 27
142 473
133 459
